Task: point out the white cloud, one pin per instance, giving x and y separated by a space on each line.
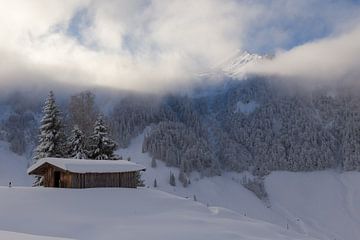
331 59
145 45
142 45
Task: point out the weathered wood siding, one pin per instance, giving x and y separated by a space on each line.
65 180
93 180
88 180
48 179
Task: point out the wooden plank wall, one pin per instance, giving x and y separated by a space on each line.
49 177
91 180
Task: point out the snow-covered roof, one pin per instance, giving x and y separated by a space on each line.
88 166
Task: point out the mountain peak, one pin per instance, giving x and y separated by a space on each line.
235 65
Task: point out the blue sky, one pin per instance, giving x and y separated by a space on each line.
300 22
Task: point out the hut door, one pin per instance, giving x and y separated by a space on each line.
56 179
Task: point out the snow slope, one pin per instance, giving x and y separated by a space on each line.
21 236
225 191
246 108
236 65
125 214
322 204
13 168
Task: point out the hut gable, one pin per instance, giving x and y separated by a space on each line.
81 173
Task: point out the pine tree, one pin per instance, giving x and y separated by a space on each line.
183 178
83 111
101 146
51 138
139 181
155 183
172 180
76 144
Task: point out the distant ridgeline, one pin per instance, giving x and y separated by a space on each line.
258 125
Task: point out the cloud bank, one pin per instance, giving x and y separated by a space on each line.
331 59
156 45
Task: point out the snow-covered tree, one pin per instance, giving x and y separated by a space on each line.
172 180
52 137
183 178
101 147
139 180
76 144
83 111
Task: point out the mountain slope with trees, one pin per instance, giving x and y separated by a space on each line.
257 125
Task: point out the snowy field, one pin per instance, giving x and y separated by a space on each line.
124 214
317 205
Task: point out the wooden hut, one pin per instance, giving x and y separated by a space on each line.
81 173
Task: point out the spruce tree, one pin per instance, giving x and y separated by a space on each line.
172 180
76 144
139 181
101 146
51 138
183 178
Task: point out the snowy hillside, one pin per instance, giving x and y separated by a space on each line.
126 214
12 167
320 204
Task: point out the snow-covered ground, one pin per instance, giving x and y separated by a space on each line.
322 204
21 236
13 167
125 214
246 108
316 205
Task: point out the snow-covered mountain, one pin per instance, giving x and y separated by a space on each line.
236 65
227 147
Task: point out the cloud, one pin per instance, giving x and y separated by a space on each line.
334 58
150 45
141 45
